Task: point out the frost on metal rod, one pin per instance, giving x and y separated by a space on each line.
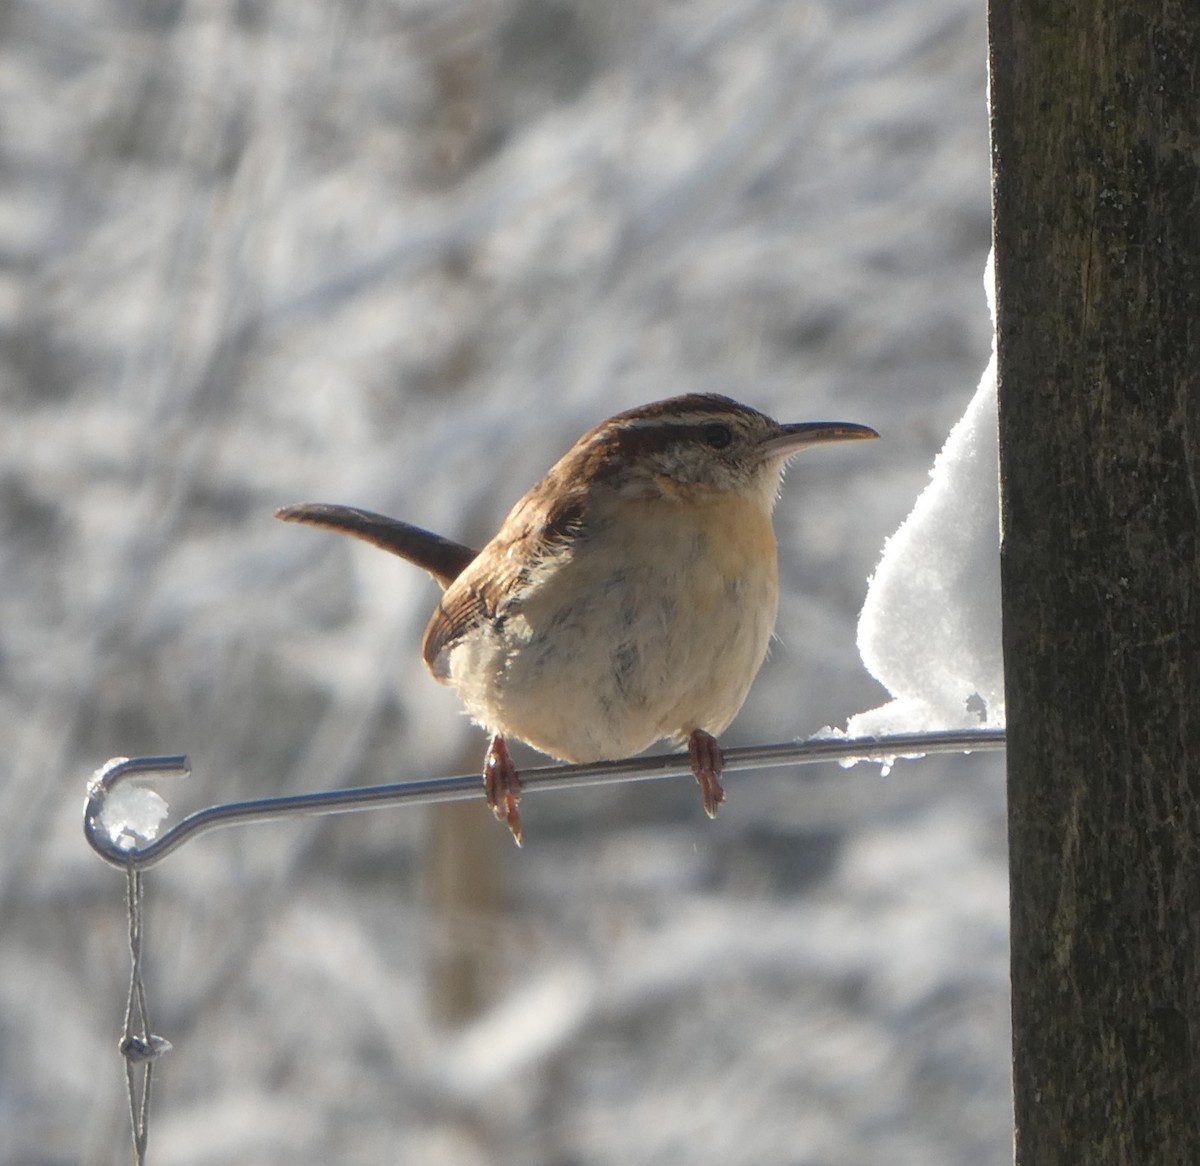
122 816
131 815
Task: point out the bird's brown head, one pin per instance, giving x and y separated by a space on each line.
701 440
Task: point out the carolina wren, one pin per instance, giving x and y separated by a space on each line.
628 597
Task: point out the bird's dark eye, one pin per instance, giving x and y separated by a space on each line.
716 435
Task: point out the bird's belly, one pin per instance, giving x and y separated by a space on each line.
620 643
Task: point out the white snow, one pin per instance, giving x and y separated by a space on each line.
930 627
131 814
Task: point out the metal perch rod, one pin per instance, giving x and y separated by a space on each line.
128 855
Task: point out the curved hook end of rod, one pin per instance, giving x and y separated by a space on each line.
113 823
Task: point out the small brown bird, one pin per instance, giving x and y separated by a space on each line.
627 598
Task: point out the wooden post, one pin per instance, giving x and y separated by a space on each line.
1096 151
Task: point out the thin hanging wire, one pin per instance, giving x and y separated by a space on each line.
139 1045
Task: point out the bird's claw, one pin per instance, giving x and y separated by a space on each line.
502 786
707 763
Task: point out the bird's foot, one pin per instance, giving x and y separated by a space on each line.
707 763
502 785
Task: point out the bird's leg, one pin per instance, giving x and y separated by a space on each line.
707 763
502 785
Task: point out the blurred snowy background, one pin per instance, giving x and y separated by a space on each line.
400 254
